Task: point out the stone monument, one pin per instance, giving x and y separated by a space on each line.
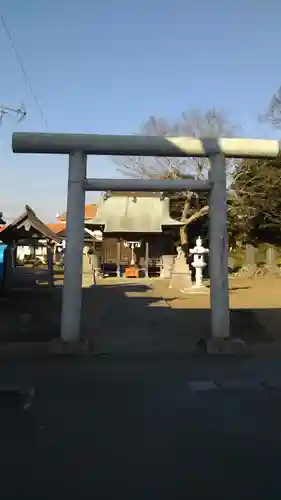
271 267
271 257
167 266
250 257
181 274
249 269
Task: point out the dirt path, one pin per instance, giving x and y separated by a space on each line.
150 317
129 318
259 293
144 316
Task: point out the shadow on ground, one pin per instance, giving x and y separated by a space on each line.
126 318
132 430
117 319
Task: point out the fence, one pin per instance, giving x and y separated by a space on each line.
78 146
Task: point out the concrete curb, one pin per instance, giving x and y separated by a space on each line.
56 348
24 348
50 348
245 384
16 398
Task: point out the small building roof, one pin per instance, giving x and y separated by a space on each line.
60 229
90 212
134 213
1 218
28 226
57 227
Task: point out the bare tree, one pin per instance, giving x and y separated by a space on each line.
273 113
212 123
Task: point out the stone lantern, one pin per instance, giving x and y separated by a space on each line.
198 263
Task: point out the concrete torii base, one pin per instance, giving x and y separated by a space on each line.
221 345
62 348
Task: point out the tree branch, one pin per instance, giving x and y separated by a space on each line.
203 211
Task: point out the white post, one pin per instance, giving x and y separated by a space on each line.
50 256
72 290
132 254
218 248
198 277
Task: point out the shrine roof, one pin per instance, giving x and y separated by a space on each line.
134 212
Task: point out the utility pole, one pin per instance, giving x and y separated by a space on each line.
18 113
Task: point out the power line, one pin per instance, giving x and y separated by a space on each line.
24 72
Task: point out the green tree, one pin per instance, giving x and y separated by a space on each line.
255 205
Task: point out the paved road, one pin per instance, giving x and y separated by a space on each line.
124 428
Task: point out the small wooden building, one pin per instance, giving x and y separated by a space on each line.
29 234
137 229
28 230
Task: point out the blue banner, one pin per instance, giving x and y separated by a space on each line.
2 261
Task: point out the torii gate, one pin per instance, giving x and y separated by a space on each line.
78 146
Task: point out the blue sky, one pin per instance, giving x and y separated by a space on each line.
106 66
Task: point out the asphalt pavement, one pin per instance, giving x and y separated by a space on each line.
141 428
